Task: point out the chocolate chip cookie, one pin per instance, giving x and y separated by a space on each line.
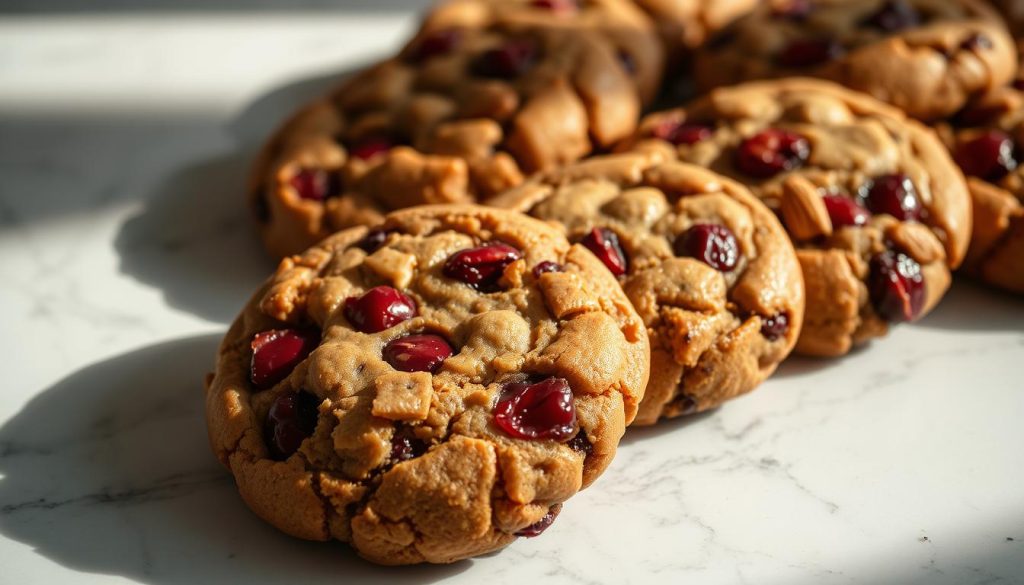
928 57
478 100
878 211
987 141
708 267
429 389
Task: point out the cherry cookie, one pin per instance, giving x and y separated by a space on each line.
478 100
707 266
687 24
987 141
878 211
927 57
430 389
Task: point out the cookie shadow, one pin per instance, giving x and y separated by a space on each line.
969 306
635 434
194 238
109 472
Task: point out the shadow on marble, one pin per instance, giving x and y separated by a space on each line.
664 427
109 472
969 306
193 240
179 6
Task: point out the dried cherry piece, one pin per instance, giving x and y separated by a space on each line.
275 354
481 267
291 419
537 410
379 308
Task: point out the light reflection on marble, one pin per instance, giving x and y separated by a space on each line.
123 256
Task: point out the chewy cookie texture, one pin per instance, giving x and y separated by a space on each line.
486 94
430 389
928 57
878 211
707 266
987 140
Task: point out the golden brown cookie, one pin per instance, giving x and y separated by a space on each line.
481 98
430 389
708 267
928 57
877 209
987 141
687 24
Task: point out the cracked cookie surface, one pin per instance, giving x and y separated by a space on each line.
687 24
987 141
707 266
877 209
928 57
423 391
484 95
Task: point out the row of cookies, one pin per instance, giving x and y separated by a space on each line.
435 386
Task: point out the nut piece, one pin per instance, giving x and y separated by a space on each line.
803 209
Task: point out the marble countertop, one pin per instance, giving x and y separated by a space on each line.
124 137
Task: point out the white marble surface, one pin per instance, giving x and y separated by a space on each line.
124 132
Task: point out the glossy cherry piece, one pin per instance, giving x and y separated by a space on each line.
896 286
508 61
604 243
893 16
989 156
844 211
316 184
404 446
546 266
771 152
371 147
436 44
541 525
715 245
581 443
372 241
275 354
537 411
775 327
423 352
682 133
291 419
894 195
379 308
556 6
809 52
481 268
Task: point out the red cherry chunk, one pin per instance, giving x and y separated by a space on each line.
557 6
541 525
989 156
809 52
896 286
581 443
371 147
508 61
291 419
775 327
771 152
893 16
436 44
682 133
379 308
894 195
1018 84
604 243
424 352
404 446
844 211
373 240
481 268
537 411
316 184
546 266
275 354
714 245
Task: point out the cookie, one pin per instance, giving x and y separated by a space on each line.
987 141
476 102
878 211
687 24
928 57
708 267
430 389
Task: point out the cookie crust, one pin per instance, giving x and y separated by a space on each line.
473 487
707 326
852 140
960 50
482 97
